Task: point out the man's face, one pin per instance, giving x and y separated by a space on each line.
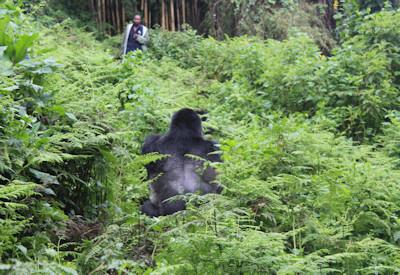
137 20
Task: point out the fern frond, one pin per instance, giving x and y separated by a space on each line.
17 189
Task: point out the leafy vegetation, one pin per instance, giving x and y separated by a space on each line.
310 146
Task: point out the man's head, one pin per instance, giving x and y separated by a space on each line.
137 19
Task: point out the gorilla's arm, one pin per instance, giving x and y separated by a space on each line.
212 152
150 144
209 174
148 208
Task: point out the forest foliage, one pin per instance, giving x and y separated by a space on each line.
310 148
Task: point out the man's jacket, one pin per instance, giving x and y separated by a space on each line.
143 39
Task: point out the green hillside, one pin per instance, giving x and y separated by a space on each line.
310 145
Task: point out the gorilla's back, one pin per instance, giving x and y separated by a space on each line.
180 173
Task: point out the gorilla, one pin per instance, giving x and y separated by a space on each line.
179 173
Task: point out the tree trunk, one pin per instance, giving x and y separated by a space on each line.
172 21
123 16
183 12
192 13
117 16
103 5
146 13
112 11
166 16
149 26
178 15
93 10
163 14
195 12
106 10
216 20
99 14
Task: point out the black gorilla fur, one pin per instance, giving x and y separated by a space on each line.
178 174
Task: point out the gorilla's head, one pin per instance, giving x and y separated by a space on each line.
186 122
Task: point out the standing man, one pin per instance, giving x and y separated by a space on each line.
136 36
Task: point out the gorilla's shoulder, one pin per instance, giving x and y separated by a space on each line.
150 144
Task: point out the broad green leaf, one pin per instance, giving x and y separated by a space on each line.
23 43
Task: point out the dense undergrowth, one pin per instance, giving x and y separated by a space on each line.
310 147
